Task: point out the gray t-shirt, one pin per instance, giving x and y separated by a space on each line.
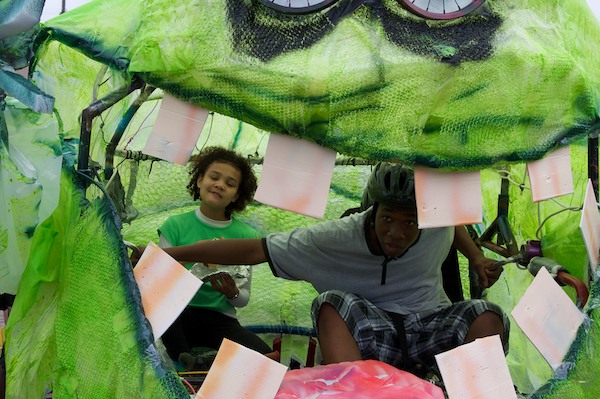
334 255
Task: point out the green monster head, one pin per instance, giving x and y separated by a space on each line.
507 82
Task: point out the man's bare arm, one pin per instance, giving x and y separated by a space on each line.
477 261
236 251
465 244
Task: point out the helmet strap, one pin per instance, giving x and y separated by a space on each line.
373 214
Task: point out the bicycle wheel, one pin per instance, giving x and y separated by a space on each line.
441 9
298 6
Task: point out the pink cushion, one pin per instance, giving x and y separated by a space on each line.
365 379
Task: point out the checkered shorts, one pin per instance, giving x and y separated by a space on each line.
427 333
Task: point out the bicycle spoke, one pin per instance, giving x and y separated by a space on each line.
298 6
441 9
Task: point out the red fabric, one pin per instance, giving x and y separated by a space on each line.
366 379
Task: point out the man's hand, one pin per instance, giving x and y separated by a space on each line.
477 262
224 283
487 277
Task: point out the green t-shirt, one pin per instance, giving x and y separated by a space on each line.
187 228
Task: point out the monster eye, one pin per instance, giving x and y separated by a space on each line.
298 6
440 9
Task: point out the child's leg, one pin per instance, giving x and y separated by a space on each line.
462 322
237 333
351 328
175 339
336 341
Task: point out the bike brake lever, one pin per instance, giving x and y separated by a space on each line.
512 259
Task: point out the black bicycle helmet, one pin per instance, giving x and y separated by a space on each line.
391 183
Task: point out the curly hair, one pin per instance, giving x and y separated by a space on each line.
200 163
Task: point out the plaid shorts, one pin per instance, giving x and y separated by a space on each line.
427 333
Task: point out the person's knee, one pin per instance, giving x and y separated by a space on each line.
492 320
323 304
486 324
491 317
327 308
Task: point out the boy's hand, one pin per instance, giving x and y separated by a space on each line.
487 277
224 283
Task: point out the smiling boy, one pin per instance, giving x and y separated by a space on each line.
378 276
224 183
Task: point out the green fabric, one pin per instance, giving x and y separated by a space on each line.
186 228
77 328
18 28
25 91
562 241
29 186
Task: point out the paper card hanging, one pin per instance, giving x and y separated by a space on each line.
166 287
590 226
447 198
296 176
477 370
176 130
239 372
551 176
548 317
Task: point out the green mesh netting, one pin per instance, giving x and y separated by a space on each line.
377 82
562 241
77 319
